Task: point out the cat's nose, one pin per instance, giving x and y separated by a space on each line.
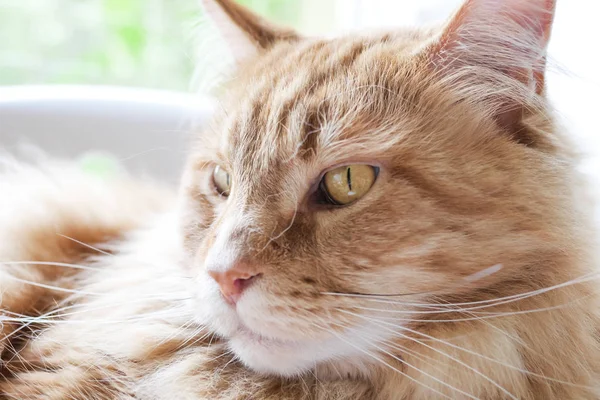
235 279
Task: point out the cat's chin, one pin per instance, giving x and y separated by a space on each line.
279 357
270 356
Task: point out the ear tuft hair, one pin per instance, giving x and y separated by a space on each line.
509 36
245 32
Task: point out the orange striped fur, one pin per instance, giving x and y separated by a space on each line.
469 270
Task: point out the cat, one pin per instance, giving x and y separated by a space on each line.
391 215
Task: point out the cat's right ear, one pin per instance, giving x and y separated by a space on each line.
246 33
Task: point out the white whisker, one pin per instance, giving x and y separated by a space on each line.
85 244
485 303
50 287
379 359
403 361
49 263
476 371
432 338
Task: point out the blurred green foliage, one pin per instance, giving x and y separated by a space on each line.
286 12
146 43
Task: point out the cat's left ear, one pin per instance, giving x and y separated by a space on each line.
508 36
246 33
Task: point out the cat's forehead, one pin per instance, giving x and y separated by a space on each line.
302 100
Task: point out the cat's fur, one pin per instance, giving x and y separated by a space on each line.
474 173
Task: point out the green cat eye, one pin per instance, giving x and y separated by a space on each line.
222 181
345 185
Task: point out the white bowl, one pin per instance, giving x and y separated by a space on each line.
147 130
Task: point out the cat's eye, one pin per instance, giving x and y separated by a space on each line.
222 181
344 185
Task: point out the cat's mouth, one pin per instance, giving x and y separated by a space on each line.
255 338
262 341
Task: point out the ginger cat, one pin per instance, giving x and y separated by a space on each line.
385 216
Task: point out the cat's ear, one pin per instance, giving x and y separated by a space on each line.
245 33
509 36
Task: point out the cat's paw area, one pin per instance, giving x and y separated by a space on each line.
50 370
72 382
214 373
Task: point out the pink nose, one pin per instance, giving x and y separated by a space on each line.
234 280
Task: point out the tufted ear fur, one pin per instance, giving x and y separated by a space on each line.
245 32
510 36
493 53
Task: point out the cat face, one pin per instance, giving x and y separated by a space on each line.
451 189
